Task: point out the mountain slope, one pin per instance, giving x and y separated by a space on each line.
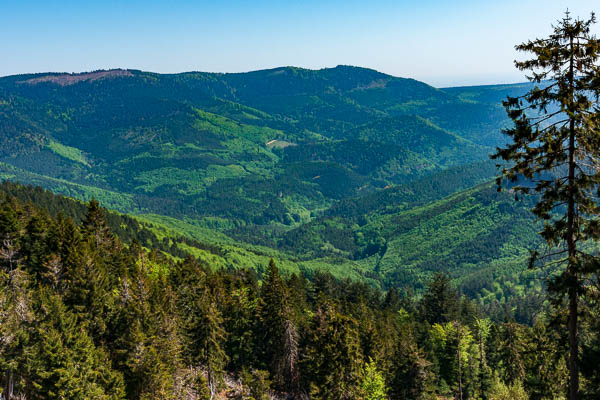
185 140
313 166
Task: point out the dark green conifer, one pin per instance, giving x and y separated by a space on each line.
554 152
440 303
278 332
411 377
63 361
333 359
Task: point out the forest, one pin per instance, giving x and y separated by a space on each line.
85 316
331 234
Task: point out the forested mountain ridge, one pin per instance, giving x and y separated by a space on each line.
307 165
177 144
264 226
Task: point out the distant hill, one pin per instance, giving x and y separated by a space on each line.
176 144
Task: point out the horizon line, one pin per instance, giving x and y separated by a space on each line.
73 73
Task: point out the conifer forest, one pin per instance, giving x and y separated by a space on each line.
289 233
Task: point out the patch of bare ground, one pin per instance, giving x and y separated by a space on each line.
187 380
71 79
376 84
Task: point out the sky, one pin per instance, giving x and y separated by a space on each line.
441 42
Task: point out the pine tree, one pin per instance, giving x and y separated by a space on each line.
279 333
555 149
373 385
411 375
440 303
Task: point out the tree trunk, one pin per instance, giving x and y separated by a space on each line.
10 386
573 346
212 387
571 273
459 357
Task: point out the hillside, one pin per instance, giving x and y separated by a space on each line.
88 313
384 247
320 169
176 239
178 144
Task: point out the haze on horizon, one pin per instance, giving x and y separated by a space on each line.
443 43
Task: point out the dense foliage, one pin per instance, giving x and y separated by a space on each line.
384 246
82 315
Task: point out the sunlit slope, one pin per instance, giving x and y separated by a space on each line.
265 147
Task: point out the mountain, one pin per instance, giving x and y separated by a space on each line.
289 140
312 166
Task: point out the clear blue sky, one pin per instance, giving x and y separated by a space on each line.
443 43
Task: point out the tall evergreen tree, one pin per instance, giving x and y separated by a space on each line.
16 318
240 323
411 377
440 303
63 360
279 333
511 344
9 236
333 358
373 385
556 148
95 226
482 328
545 366
211 337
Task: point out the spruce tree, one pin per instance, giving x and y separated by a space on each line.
411 372
9 237
510 350
16 319
373 385
482 328
333 358
63 362
554 152
240 323
95 226
279 333
210 338
544 362
440 303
